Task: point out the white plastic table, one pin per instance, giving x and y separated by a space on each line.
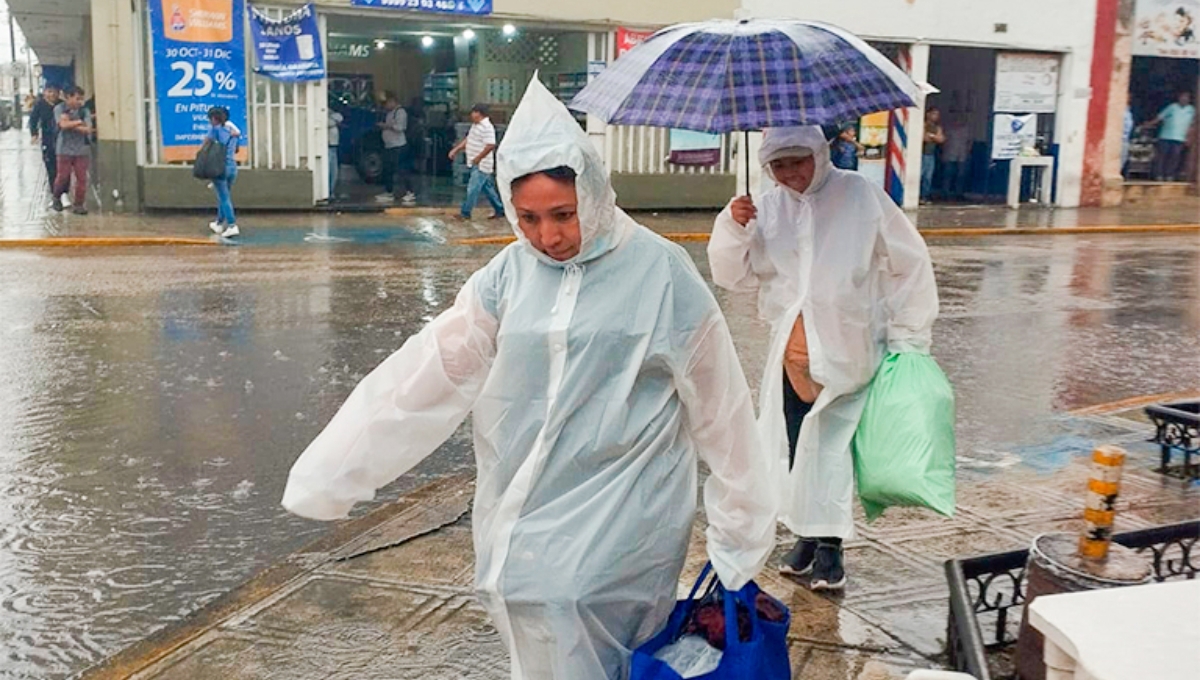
1017 168
1149 632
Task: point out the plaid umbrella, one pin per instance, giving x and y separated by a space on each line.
725 76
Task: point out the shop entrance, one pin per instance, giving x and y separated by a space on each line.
437 71
1155 83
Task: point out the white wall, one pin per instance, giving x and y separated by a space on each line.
1065 26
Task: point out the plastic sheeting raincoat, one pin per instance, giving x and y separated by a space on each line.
846 258
594 384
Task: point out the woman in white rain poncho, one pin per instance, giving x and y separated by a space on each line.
597 365
844 278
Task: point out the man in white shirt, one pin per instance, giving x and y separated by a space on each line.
335 138
480 145
397 159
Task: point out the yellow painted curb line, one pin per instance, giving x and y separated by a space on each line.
689 237
104 241
1134 402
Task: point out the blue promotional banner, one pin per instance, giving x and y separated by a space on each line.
199 63
288 49
443 6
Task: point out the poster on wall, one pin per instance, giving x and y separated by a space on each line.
1167 28
627 39
289 48
1026 82
1012 134
689 147
476 7
199 63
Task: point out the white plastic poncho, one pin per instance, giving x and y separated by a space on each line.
843 255
594 384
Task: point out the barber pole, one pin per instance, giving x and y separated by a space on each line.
898 139
1108 462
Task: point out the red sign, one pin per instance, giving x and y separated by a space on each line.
627 39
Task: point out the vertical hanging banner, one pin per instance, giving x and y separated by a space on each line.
199 63
288 49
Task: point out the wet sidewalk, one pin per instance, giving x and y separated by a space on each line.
25 214
390 595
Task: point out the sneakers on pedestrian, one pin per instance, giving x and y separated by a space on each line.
216 228
410 199
231 231
496 216
57 204
385 198
79 210
799 560
828 572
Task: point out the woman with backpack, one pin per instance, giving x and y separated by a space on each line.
226 135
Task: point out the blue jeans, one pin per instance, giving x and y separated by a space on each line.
928 166
333 170
481 182
223 188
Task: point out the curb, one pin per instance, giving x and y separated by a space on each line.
104 241
692 237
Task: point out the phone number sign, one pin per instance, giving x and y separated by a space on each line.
199 63
476 7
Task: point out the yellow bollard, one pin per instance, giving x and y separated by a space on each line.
1108 462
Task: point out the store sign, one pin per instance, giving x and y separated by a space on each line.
1167 28
689 147
1026 83
349 50
479 7
199 63
1012 134
288 49
627 39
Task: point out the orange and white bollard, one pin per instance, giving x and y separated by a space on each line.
1108 462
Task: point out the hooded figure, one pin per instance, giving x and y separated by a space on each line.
843 277
598 373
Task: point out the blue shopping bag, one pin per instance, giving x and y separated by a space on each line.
763 657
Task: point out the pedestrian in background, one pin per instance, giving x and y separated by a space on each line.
335 138
1174 124
956 159
397 156
934 138
480 145
223 133
73 149
845 149
44 128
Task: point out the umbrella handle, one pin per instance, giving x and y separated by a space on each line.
746 147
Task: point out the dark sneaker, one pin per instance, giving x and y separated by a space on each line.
828 573
57 205
79 210
799 560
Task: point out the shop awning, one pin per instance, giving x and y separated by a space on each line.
52 27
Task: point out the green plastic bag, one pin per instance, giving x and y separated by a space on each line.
904 453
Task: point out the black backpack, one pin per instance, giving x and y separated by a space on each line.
210 161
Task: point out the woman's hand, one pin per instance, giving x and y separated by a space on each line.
743 210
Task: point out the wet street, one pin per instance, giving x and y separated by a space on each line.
154 399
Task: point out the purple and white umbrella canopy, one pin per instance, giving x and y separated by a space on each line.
724 76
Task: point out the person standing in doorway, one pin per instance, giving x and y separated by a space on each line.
480 145
73 148
1174 124
44 128
222 133
934 138
335 139
397 159
956 157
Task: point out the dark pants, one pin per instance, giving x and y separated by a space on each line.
794 411
50 160
77 166
1168 156
397 162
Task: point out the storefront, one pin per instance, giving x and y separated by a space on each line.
1166 64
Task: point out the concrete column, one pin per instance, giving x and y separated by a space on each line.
1070 124
113 54
916 129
